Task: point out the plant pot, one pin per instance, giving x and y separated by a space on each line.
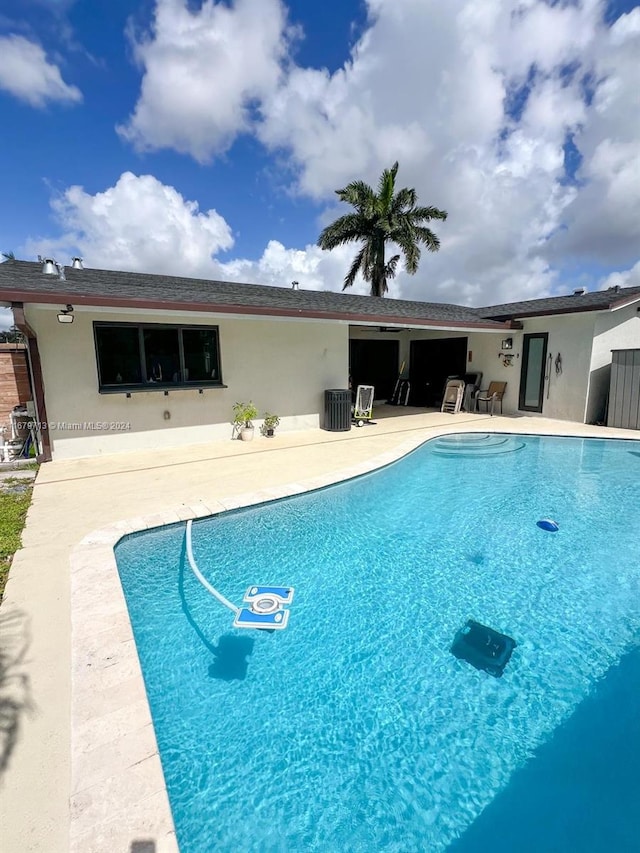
246 434
270 432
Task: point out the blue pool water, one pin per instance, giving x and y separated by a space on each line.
356 729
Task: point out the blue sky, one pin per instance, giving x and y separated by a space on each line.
208 138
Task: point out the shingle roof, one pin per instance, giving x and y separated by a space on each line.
597 301
25 282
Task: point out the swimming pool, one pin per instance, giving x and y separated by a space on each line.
356 729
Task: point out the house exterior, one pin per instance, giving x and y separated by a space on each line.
582 329
124 361
14 381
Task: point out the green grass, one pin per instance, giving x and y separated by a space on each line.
13 511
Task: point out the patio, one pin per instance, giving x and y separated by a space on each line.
73 498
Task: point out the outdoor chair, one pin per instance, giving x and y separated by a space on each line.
363 408
471 390
453 393
492 395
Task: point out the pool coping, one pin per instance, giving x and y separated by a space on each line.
118 790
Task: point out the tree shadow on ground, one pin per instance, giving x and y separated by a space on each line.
15 687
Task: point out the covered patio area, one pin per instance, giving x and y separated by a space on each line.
423 359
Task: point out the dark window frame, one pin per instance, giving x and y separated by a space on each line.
526 342
144 384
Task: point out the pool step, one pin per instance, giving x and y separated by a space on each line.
476 445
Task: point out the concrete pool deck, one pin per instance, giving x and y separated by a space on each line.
84 774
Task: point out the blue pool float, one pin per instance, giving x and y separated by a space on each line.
548 524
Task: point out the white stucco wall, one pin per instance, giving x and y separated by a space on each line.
483 355
283 366
570 335
619 329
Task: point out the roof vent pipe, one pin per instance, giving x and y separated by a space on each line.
76 264
580 291
295 285
49 267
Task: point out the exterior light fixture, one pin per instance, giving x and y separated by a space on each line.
507 343
66 315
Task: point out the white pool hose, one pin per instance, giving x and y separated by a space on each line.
205 583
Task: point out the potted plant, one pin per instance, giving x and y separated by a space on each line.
270 422
243 415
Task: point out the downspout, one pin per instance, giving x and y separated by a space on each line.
37 381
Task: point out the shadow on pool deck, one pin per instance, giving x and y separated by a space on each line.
581 790
143 847
15 688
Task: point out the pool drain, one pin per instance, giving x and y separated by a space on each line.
265 604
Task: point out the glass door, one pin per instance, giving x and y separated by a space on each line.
534 355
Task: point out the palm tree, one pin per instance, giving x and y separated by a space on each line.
8 256
380 218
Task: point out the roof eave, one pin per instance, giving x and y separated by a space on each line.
554 311
624 303
62 298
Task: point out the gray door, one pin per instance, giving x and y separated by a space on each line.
534 356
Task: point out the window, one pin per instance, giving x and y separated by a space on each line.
162 355
200 354
132 357
118 355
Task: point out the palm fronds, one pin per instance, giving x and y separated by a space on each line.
382 217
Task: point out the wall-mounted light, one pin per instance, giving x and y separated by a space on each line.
66 315
507 343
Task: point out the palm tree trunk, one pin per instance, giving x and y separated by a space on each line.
378 281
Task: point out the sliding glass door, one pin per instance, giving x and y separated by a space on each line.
534 357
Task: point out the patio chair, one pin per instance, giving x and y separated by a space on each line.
453 394
472 388
363 408
490 396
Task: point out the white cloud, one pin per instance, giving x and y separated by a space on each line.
603 221
429 84
139 224
203 72
142 225
26 73
312 268
626 278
